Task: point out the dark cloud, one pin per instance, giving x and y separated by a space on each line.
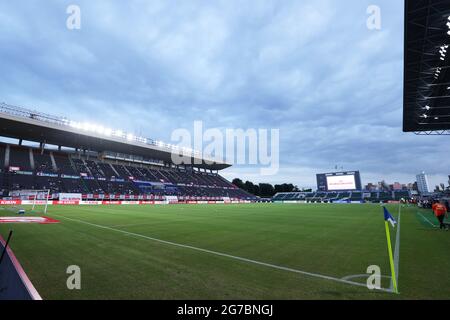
310 68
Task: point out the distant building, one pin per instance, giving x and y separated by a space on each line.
397 186
370 187
422 183
411 186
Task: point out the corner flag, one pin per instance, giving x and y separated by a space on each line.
389 218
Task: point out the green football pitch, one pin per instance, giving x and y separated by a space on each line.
246 251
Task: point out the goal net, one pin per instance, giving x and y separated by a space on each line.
37 199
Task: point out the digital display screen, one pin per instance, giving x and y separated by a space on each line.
341 183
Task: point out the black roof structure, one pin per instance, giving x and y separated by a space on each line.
21 123
427 67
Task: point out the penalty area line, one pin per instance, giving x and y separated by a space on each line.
425 218
269 265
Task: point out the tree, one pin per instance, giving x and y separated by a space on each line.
250 187
238 183
266 190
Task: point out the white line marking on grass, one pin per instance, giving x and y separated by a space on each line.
425 218
397 248
364 275
131 225
273 266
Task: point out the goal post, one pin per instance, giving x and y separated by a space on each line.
46 194
35 198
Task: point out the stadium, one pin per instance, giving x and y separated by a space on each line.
88 212
93 190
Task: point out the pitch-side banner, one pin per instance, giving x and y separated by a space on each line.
70 197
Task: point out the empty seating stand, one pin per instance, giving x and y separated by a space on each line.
42 162
65 172
2 157
64 165
20 157
398 195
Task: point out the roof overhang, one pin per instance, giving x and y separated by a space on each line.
52 133
426 72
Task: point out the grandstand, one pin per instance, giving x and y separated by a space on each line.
99 164
359 196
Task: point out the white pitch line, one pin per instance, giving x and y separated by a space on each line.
364 275
273 266
427 219
397 248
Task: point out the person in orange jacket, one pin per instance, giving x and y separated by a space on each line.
440 211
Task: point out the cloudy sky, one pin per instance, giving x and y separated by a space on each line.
311 69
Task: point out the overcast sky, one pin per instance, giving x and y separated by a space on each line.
309 68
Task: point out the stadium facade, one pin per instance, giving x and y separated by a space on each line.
101 164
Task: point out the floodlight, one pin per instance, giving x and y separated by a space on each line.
100 130
85 126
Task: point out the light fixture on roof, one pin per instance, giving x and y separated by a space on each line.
427 107
436 118
425 115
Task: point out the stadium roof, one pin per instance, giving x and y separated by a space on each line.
427 67
20 123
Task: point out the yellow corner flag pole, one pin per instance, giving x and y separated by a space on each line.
391 258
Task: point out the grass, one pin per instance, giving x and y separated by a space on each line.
119 262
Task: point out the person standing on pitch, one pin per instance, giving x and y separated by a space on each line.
440 211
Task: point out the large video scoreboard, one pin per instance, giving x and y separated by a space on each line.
339 181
